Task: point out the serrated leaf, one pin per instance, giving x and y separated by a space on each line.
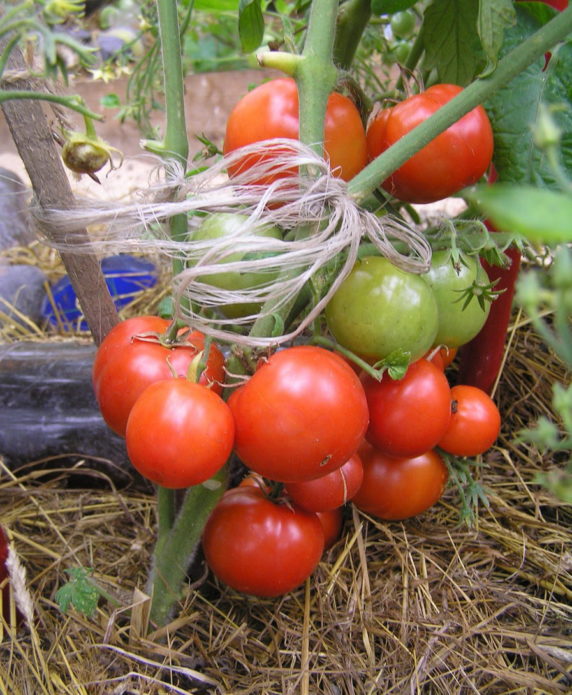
390 6
79 592
493 18
513 109
541 215
250 25
450 40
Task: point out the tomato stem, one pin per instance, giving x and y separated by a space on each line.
362 364
74 103
352 19
316 74
176 548
476 93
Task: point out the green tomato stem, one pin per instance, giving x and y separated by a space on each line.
476 93
172 556
316 74
73 102
176 142
353 18
178 534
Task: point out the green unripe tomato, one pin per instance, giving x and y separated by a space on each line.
403 24
457 325
221 224
401 51
380 308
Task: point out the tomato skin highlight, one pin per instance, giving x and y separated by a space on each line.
379 308
259 547
124 366
271 111
179 433
408 416
475 422
301 415
329 491
456 158
399 488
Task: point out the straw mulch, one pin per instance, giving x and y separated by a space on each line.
423 606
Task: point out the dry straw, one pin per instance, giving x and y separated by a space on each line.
321 221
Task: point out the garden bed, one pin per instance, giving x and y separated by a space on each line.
426 605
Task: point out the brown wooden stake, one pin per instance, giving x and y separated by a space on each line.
35 144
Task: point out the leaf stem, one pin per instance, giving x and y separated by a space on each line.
73 102
476 93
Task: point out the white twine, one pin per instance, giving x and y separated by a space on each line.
313 207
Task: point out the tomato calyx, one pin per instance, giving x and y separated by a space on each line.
484 293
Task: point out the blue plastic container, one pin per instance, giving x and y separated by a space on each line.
126 277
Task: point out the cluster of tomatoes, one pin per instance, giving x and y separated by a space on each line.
313 432
456 158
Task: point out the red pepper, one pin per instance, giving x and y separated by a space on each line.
480 360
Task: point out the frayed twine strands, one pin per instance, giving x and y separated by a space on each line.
320 220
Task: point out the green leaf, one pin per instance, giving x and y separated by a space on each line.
390 6
110 101
396 364
450 40
514 109
79 592
250 25
541 215
494 17
216 5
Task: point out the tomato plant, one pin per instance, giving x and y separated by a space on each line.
223 224
328 491
179 433
301 415
475 422
261 547
399 488
271 111
408 416
461 315
126 364
456 158
379 309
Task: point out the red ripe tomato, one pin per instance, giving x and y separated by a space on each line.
179 433
128 365
399 488
271 111
260 547
301 415
329 491
475 422
456 158
408 416
332 522
122 335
